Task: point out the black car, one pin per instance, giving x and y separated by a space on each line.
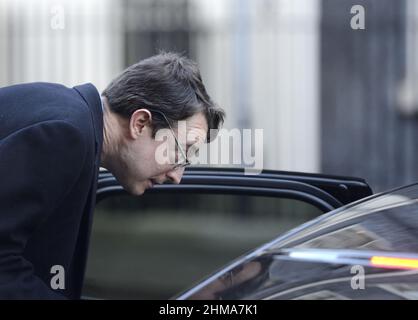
344 243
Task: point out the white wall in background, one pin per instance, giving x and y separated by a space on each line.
88 48
4 53
259 60
281 81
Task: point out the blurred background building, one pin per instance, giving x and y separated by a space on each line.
329 98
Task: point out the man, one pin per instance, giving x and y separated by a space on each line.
53 140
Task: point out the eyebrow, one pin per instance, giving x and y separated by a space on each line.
190 144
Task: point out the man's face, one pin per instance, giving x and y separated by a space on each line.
138 168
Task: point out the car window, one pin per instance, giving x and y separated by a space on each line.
156 245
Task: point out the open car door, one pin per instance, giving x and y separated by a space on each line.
156 245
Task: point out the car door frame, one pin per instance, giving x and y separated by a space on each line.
325 192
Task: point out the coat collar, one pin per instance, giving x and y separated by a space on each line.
92 97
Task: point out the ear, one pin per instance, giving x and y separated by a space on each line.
140 119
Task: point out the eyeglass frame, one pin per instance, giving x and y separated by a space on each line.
183 153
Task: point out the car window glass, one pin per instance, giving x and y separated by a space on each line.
158 244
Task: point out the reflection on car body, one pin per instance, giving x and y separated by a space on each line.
315 261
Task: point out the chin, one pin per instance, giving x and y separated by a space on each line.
134 189
138 190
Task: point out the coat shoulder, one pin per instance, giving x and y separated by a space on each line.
24 105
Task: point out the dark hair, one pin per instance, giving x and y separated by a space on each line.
167 82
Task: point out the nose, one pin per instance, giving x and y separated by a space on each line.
176 175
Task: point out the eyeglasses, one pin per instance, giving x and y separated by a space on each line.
179 163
